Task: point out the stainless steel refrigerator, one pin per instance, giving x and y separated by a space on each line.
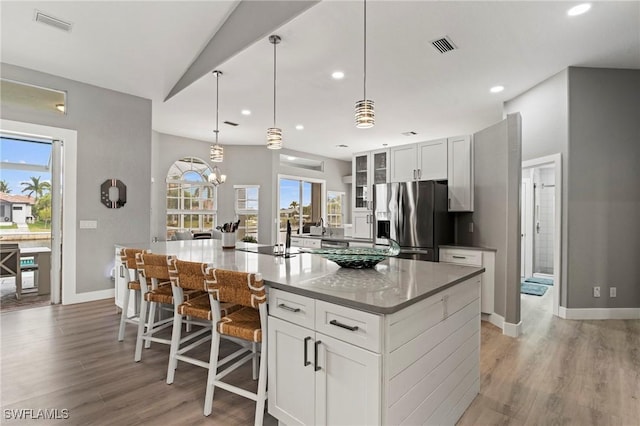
415 214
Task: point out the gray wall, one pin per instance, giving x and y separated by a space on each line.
243 165
496 219
544 110
591 116
604 187
114 141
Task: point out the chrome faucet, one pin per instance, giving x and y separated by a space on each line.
322 225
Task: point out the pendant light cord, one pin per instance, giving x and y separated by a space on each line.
365 51
217 102
274 84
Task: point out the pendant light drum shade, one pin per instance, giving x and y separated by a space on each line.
274 138
365 114
216 153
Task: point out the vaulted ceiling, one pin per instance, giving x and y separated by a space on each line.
166 50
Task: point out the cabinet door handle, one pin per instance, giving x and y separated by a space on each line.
449 203
316 367
339 324
306 361
419 173
414 174
288 308
121 271
459 257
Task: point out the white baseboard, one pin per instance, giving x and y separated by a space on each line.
494 319
512 330
599 313
508 329
89 296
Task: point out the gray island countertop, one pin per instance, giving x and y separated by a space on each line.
389 287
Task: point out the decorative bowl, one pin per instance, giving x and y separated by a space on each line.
359 258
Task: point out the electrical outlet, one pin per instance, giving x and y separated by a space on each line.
596 292
612 292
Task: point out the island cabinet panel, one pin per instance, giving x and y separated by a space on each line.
292 307
317 379
432 350
417 365
291 379
347 384
350 325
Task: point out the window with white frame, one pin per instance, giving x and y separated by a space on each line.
247 209
191 199
335 209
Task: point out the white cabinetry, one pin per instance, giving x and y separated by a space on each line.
460 174
421 161
305 242
316 378
476 257
329 364
362 224
368 169
121 284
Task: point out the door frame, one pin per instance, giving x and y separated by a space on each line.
526 227
63 255
556 161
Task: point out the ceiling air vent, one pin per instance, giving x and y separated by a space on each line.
230 123
444 44
44 18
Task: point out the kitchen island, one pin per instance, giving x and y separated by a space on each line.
391 345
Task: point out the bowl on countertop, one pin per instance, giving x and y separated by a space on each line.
359 257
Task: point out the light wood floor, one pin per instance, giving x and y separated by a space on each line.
558 372
68 357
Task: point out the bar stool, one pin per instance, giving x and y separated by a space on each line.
190 276
248 323
153 271
128 258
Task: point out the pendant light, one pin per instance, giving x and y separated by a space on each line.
216 177
217 152
274 134
365 114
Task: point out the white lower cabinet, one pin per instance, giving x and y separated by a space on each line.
419 365
476 257
305 242
121 284
316 379
362 224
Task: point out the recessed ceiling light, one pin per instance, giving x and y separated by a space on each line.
290 158
496 89
299 127
337 75
579 9
342 146
245 112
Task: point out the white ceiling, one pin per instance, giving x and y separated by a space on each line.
143 48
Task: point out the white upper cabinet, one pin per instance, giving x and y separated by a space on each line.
460 175
421 161
380 166
432 160
403 163
361 172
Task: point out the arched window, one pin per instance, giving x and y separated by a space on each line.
191 199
